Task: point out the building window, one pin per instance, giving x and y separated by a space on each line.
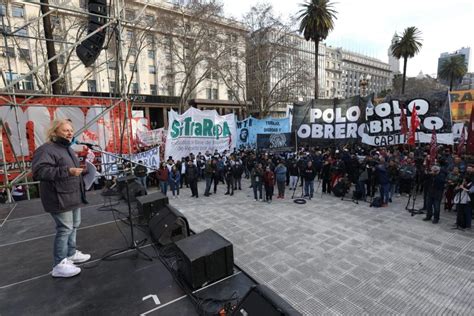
153 89
112 86
8 51
83 4
151 54
130 35
135 88
231 95
111 64
25 53
150 40
61 59
129 15
132 67
150 19
151 69
212 94
3 9
18 11
23 32
91 86
27 83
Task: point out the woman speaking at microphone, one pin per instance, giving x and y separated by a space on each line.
62 193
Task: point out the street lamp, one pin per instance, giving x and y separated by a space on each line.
363 84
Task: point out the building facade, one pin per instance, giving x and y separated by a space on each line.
164 50
357 67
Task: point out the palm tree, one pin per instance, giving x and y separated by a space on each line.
452 69
406 46
317 20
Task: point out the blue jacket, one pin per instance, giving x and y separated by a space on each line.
174 177
280 173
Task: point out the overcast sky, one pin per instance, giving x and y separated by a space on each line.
367 26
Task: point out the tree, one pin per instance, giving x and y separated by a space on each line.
190 44
406 46
452 70
317 20
277 71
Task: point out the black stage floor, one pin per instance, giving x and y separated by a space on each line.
122 285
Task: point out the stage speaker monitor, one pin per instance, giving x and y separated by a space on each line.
260 300
168 225
150 204
204 258
89 50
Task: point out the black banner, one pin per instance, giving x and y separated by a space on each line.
357 119
275 142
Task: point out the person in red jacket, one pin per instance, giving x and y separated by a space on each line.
162 174
269 181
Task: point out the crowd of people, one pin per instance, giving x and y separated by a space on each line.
372 175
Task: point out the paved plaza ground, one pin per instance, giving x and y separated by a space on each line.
336 257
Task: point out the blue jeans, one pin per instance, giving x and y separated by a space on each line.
174 187
164 187
142 181
433 206
384 192
257 187
309 188
65 240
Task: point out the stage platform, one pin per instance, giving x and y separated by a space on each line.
125 284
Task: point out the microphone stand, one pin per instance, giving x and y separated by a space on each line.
134 245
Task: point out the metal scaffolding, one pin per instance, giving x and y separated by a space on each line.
115 25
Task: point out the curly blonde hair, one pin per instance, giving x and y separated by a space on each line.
51 132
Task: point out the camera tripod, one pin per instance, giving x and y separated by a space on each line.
412 198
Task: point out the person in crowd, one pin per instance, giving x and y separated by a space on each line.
174 181
229 178
393 178
326 175
192 174
209 174
257 180
309 174
163 177
269 181
294 174
184 181
435 189
62 193
383 181
237 171
141 172
280 176
407 176
462 199
452 181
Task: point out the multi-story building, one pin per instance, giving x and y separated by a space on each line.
465 52
166 55
334 73
357 67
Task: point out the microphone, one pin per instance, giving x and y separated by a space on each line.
86 144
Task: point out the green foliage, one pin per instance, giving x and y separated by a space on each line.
453 69
406 46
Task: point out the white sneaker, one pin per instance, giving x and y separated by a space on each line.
65 269
79 257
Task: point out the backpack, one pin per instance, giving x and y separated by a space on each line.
376 202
